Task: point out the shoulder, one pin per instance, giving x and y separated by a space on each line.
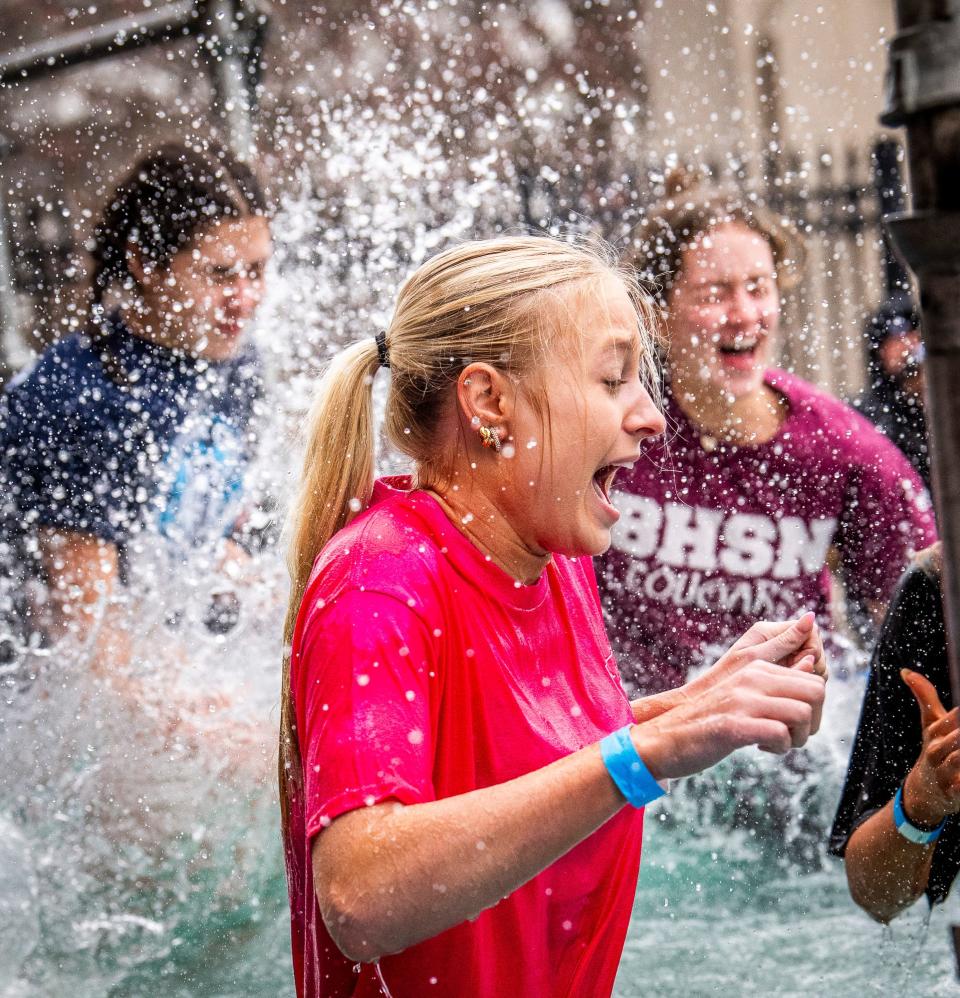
66 377
248 360
852 437
390 549
930 562
69 359
819 407
913 633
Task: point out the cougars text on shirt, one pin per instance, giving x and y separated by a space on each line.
737 562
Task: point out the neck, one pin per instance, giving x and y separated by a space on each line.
480 520
745 419
152 325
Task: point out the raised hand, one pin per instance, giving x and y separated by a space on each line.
795 644
757 703
931 790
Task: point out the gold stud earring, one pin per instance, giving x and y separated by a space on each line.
490 438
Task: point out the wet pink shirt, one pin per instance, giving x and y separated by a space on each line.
710 541
420 671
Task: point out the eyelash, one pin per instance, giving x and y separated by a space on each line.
614 385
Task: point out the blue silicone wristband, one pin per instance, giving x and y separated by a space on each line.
909 830
628 770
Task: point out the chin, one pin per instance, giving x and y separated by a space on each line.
585 546
220 351
742 384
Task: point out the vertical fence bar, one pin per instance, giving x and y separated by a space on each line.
8 295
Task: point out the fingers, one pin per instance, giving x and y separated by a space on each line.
943 727
812 646
948 776
797 715
762 630
810 665
943 745
769 693
774 680
798 635
925 693
767 735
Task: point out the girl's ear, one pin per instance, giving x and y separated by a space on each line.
142 272
485 397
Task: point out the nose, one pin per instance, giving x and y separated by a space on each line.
244 294
743 308
644 419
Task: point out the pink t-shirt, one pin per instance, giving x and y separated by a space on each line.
420 671
710 541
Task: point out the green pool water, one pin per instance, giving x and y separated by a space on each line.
704 924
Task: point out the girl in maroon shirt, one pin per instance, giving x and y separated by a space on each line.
453 788
731 517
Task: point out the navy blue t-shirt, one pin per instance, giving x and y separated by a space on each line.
111 435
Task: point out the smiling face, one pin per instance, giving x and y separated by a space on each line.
724 310
210 290
556 485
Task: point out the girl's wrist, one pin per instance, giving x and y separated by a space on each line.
920 807
645 709
650 748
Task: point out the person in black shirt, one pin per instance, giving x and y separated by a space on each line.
896 826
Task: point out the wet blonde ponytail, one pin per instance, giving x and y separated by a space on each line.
336 484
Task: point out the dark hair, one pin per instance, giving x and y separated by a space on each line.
166 200
692 205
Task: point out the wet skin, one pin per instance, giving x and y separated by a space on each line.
724 311
549 489
202 301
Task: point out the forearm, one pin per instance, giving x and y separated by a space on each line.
647 708
886 873
391 876
82 573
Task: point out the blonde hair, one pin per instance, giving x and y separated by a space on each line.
691 206
482 301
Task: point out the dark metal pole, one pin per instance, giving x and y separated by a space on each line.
923 93
8 296
175 20
232 34
888 182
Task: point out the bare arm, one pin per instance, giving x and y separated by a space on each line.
886 872
390 876
82 573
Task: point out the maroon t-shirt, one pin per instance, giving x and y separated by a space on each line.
710 541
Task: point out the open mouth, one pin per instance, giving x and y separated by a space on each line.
739 348
603 481
740 354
